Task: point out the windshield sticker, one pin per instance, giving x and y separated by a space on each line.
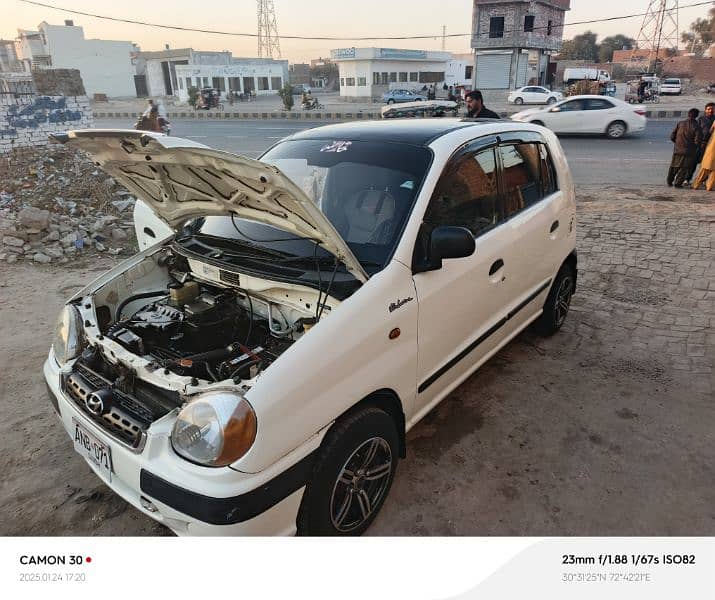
336 147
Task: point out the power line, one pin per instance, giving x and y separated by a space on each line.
329 38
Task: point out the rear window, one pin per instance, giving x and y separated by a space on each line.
672 82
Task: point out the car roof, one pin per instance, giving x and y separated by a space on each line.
419 132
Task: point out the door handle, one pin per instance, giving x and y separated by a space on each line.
554 226
498 264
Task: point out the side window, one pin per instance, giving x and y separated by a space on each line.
528 175
572 105
598 104
467 195
522 185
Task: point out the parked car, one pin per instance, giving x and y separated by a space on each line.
301 88
588 114
533 94
255 368
671 85
401 96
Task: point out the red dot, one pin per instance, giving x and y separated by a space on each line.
88 559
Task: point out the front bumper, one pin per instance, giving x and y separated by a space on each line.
186 498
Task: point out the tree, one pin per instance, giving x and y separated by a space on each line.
581 47
612 43
700 35
286 94
193 95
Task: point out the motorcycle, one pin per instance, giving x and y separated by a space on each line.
311 104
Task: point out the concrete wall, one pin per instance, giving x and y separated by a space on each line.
277 70
155 78
105 66
28 120
58 82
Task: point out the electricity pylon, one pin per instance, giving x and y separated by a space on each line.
269 45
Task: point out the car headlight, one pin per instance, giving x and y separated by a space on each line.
68 340
215 429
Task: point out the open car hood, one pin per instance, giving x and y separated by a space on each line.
181 179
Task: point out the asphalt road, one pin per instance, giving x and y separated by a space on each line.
639 160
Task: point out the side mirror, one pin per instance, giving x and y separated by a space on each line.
445 242
555 109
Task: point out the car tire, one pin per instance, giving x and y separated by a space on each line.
556 306
340 499
616 130
390 101
551 100
519 101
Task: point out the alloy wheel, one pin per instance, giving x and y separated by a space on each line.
563 300
361 484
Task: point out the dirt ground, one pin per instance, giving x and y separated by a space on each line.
604 429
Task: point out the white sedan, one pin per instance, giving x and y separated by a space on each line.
255 368
534 94
588 114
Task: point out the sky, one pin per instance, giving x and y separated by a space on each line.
306 18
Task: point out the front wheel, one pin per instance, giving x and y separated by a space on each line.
220 107
390 101
557 302
352 475
519 101
616 130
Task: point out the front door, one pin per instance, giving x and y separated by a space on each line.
567 117
462 304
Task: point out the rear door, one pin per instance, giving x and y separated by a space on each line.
599 113
536 219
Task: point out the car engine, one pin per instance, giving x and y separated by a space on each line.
203 331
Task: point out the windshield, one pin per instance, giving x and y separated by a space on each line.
365 189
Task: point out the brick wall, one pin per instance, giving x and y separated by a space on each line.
28 120
58 82
700 71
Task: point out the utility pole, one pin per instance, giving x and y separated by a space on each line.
659 30
268 42
444 35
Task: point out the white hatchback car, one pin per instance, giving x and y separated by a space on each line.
533 94
255 368
588 114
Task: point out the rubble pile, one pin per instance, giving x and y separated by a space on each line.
56 206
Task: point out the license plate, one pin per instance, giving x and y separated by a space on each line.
95 451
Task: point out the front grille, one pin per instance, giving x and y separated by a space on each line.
229 277
125 420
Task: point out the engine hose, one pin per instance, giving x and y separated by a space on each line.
126 301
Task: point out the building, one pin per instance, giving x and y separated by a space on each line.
105 65
8 57
513 41
173 72
300 73
369 72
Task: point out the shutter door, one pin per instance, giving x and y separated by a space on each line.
493 71
521 70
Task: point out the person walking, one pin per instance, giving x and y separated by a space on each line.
476 108
686 136
707 165
705 122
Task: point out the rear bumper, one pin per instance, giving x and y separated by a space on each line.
166 488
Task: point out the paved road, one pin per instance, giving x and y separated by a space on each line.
637 160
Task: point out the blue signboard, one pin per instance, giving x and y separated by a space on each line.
397 53
343 53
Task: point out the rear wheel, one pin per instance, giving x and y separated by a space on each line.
616 130
352 475
390 101
519 101
557 302
551 100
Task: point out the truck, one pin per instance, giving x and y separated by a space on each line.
579 74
